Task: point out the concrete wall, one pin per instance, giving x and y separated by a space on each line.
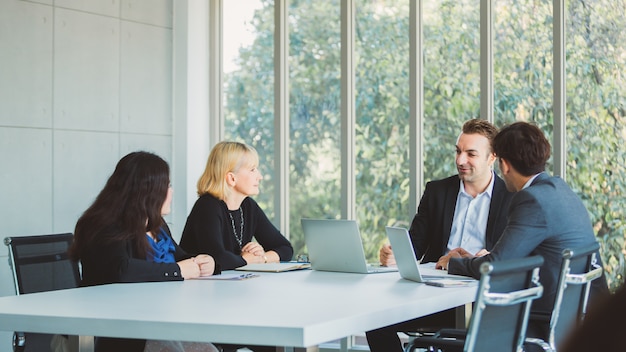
82 83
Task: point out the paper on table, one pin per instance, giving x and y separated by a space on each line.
275 267
450 282
228 276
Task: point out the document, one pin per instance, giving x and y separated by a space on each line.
450 282
275 267
228 276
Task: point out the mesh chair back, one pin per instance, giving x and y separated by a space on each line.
40 263
502 306
578 269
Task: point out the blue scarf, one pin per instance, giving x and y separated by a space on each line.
163 250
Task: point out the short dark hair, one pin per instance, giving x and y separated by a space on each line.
524 146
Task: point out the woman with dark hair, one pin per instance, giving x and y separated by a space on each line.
122 237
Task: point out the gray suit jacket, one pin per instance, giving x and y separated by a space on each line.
544 219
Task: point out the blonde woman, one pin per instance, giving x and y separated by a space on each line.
225 220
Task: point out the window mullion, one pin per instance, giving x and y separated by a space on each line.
348 119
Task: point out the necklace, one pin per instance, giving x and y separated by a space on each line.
239 237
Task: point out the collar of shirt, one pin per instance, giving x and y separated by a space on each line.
530 180
488 191
470 219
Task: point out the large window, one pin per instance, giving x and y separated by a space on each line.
522 63
451 80
248 90
314 111
596 120
382 118
453 89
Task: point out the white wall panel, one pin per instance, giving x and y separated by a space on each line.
26 181
159 145
146 79
7 288
61 106
107 8
155 12
6 276
26 70
83 161
45 2
86 77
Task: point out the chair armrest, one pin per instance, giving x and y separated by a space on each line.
505 299
452 333
449 345
581 279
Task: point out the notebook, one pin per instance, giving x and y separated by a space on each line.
335 245
410 268
275 267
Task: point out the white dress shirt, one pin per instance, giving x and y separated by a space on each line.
470 219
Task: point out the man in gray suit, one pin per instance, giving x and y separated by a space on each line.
545 216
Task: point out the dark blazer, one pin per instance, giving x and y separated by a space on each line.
112 262
544 219
431 226
116 262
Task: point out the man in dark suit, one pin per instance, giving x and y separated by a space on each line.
467 209
545 217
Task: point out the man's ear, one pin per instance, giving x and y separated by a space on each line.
492 158
505 167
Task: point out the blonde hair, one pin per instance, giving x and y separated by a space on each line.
225 157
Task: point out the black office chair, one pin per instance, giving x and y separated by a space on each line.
500 315
40 263
578 269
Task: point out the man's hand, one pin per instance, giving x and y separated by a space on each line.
481 253
443 262
386 256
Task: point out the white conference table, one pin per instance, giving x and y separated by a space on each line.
297 309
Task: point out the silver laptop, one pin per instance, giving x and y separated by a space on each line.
335 245
408 265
